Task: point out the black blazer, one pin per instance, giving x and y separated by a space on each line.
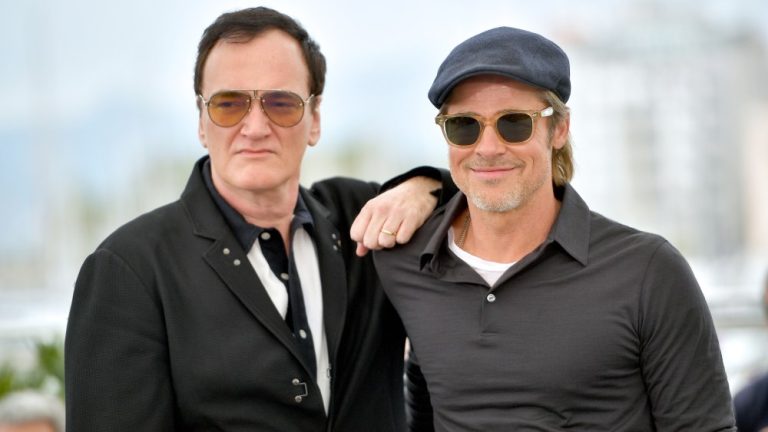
171 330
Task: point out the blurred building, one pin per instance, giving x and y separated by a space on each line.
668 126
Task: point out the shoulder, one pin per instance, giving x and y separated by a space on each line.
610 232
339 189
341 197
147 230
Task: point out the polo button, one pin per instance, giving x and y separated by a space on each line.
303 334
336 248
333 236
491 298
225 251
298 399
236 262
284 276
266 236
295 381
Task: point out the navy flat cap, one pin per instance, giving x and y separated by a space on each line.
510 52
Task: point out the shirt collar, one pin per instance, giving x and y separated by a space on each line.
246 233
570 231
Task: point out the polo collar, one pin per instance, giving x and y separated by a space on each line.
571 229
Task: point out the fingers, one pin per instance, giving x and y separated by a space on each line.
360 224
394 216
361 250
376 226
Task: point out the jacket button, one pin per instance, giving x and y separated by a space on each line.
298 399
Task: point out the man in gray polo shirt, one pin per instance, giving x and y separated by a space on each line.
526 310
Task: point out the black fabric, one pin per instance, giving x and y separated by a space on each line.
280 262
170 329
418 407
600 328
751 405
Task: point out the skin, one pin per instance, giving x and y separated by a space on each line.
509 186
32 426
255 165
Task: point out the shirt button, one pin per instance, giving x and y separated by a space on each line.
266 236
298 399
303 334
284 276
226 251
491 298
236 262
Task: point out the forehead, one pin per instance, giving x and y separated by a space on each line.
271 60
491 92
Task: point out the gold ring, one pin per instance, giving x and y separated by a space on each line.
383 231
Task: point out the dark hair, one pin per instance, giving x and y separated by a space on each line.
246 24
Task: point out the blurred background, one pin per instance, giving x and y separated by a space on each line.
98 124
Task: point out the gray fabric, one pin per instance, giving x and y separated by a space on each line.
601 328
514 53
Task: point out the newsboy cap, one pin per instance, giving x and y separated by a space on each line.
518 54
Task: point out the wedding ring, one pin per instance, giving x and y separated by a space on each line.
383 231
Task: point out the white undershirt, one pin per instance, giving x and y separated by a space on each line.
489 270
305 257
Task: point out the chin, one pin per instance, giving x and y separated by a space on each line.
496 204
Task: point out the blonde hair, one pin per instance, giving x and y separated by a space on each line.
562 158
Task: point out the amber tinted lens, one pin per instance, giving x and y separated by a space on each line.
284 108
515 127
461 130
229 107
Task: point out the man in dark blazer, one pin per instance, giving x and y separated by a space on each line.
242 306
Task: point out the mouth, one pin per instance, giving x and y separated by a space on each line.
254 153
493 172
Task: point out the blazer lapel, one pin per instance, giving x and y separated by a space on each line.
229 261
333 274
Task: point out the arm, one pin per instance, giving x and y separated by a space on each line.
680 354
116 371
418 404
403 205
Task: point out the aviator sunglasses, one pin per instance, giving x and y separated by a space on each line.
228 107
512 126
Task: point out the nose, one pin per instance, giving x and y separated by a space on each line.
255 124
489 143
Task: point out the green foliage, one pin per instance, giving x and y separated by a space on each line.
46 375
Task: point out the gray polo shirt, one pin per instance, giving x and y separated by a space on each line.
601 328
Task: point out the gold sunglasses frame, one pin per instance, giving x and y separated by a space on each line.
255 95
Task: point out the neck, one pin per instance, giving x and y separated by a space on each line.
268 209
505 236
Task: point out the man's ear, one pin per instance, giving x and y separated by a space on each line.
201 132
314 131
562 129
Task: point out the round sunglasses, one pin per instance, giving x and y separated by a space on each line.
228 107
511 126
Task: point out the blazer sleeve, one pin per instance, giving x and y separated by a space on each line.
418 404
117 371
680 354
346 196
447 187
